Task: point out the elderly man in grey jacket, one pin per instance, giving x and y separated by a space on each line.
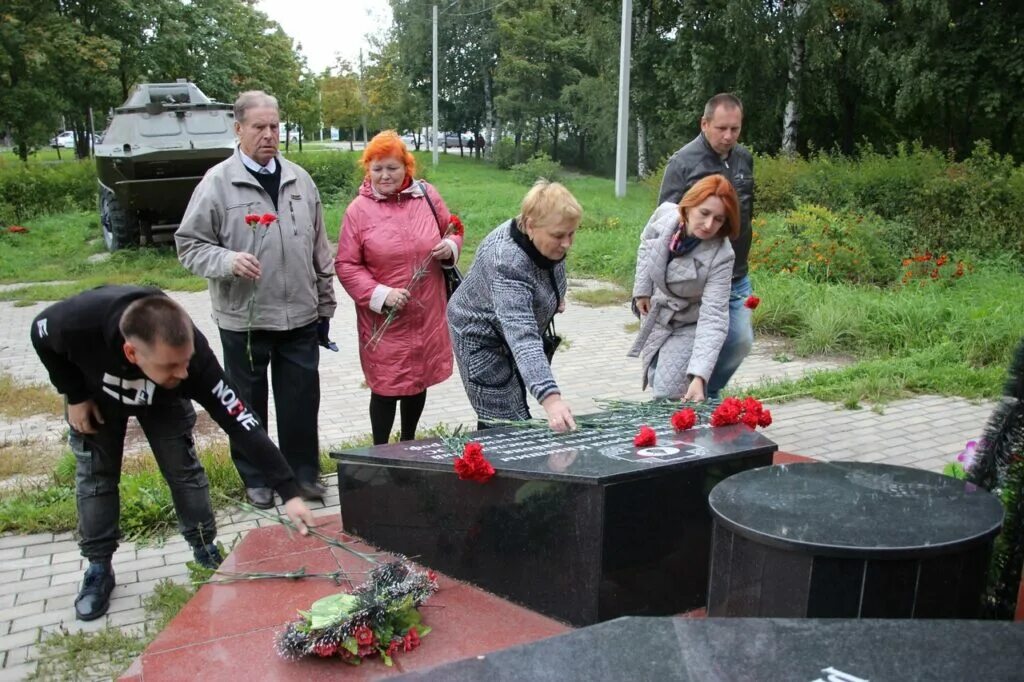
255 229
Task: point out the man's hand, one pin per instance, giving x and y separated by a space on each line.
695 393
83 417
245 265
323 334
442 251
299 514
397 298
643 304
559 415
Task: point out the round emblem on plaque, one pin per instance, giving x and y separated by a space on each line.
657 451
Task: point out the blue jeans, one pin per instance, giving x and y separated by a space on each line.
98 459
738 341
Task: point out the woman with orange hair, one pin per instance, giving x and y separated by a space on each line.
394 242
681 289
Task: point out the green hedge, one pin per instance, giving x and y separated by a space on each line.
976 204
30 190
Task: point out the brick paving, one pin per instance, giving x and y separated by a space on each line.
40 573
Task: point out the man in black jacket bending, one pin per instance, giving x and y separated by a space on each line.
120 351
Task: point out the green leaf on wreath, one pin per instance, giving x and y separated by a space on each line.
350 645
386 659
330 610
406 619
423 630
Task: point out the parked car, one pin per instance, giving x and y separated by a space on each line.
454 139
65 140
292 134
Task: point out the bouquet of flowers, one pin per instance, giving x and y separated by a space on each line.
378 618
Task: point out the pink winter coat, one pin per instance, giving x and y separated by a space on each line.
382 242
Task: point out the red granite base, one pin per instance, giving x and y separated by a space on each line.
227 632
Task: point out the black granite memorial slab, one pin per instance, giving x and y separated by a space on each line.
756 649
850 540
583 527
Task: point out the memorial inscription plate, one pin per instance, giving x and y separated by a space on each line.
583 527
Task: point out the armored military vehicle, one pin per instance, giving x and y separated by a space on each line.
156 149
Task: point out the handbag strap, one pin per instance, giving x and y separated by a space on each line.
437 219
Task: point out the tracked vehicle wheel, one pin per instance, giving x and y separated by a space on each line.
120 227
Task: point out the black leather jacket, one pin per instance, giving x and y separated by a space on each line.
697 160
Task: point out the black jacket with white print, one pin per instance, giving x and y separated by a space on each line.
79 342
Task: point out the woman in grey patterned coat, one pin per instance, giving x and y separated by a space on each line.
681 290
498 314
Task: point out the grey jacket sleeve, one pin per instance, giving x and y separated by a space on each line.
513 306
197 239
323 264
665 216
713 320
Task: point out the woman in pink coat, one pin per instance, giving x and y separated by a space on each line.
395 240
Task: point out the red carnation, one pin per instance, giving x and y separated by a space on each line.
727 413
752 302
472 465
363 635
431 576
684 419
751 419
752 404
765 419
267 218
325 649
645 437
393 647
455 226
251 219
17 229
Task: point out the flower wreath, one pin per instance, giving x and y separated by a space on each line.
378 618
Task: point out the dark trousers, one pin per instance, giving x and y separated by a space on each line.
293 357
98 471
382 415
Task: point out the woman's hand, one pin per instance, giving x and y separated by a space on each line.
299 515
559 415
561 305
442 251
695 393
397 298
643 304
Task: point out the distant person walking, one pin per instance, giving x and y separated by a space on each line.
715 150
255 230
394 244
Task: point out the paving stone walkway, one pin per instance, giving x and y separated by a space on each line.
39 574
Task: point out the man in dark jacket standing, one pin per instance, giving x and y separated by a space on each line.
120 351
715 151
271 284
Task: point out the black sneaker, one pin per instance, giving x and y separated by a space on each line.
94 598
207 556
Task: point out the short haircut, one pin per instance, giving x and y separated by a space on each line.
252 99
722 99
388 144
549 203
715 186
157 317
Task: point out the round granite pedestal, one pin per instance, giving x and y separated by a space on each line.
849 540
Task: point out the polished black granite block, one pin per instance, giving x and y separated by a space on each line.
850 540
761 649
583 527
